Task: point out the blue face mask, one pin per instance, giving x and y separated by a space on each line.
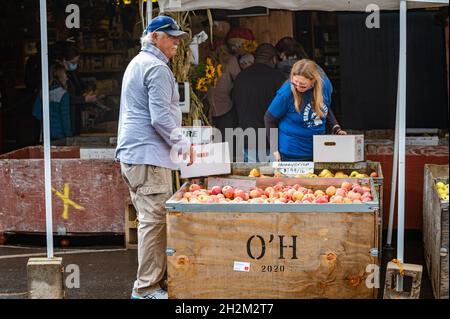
72 66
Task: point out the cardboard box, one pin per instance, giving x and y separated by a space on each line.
338 148
198 134
207 160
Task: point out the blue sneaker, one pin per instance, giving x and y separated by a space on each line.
157 294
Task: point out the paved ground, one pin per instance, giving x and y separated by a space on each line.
109 272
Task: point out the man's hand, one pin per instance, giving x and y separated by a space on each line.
341 132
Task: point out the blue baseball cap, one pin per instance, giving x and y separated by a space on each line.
165 24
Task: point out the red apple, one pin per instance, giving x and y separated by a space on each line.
268 190
319 193
331 191
336 199
322 199
358 189
366 199
346 185
341 192
297 196
194 187
239 193
187 195
309 197
366 189
216 190
228 191
373 174
304 190
278 188
356 201
220 196
254 193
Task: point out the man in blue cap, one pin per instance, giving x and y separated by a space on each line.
148 135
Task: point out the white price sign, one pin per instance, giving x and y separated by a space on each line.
294 168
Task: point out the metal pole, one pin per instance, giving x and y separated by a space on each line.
149 11
394 171
45 110
402 130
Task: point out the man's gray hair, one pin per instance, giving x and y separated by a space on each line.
147 38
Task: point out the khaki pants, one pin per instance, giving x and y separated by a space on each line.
150 187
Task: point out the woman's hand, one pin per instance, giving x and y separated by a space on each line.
277 156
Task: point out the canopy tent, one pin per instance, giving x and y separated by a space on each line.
320 5
346 5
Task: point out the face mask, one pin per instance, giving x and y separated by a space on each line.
72 66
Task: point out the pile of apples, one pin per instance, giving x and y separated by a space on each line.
324 173
280 193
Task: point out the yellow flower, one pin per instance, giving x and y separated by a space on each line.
210 72
219 70
209 61
201 84
250 46
215 82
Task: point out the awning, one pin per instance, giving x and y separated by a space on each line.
320 5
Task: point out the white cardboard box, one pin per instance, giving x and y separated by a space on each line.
198 134
338 148
207 160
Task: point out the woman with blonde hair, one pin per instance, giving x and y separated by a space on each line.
299 110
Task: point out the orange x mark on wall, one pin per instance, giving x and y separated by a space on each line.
67 201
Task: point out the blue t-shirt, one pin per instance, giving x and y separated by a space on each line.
296 130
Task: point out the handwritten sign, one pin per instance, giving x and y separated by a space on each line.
294 168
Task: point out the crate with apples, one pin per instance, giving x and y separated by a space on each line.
347 192
435 227
241 237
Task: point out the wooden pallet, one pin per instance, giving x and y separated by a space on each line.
131 225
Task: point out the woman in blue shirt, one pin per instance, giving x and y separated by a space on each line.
299 110
60 124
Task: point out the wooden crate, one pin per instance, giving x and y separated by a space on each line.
95 188
131 226
367 167
310 254
435 230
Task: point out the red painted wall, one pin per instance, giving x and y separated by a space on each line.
414 170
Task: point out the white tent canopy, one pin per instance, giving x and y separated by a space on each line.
320 5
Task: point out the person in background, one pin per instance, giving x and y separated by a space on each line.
299 111
222 112
292 51
59 98
68 56
149 130
254 89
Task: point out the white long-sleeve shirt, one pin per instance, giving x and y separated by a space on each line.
150 115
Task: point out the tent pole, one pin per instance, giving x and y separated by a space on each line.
402 130
149 11
394 171
46 131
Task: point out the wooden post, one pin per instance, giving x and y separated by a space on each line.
405 270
